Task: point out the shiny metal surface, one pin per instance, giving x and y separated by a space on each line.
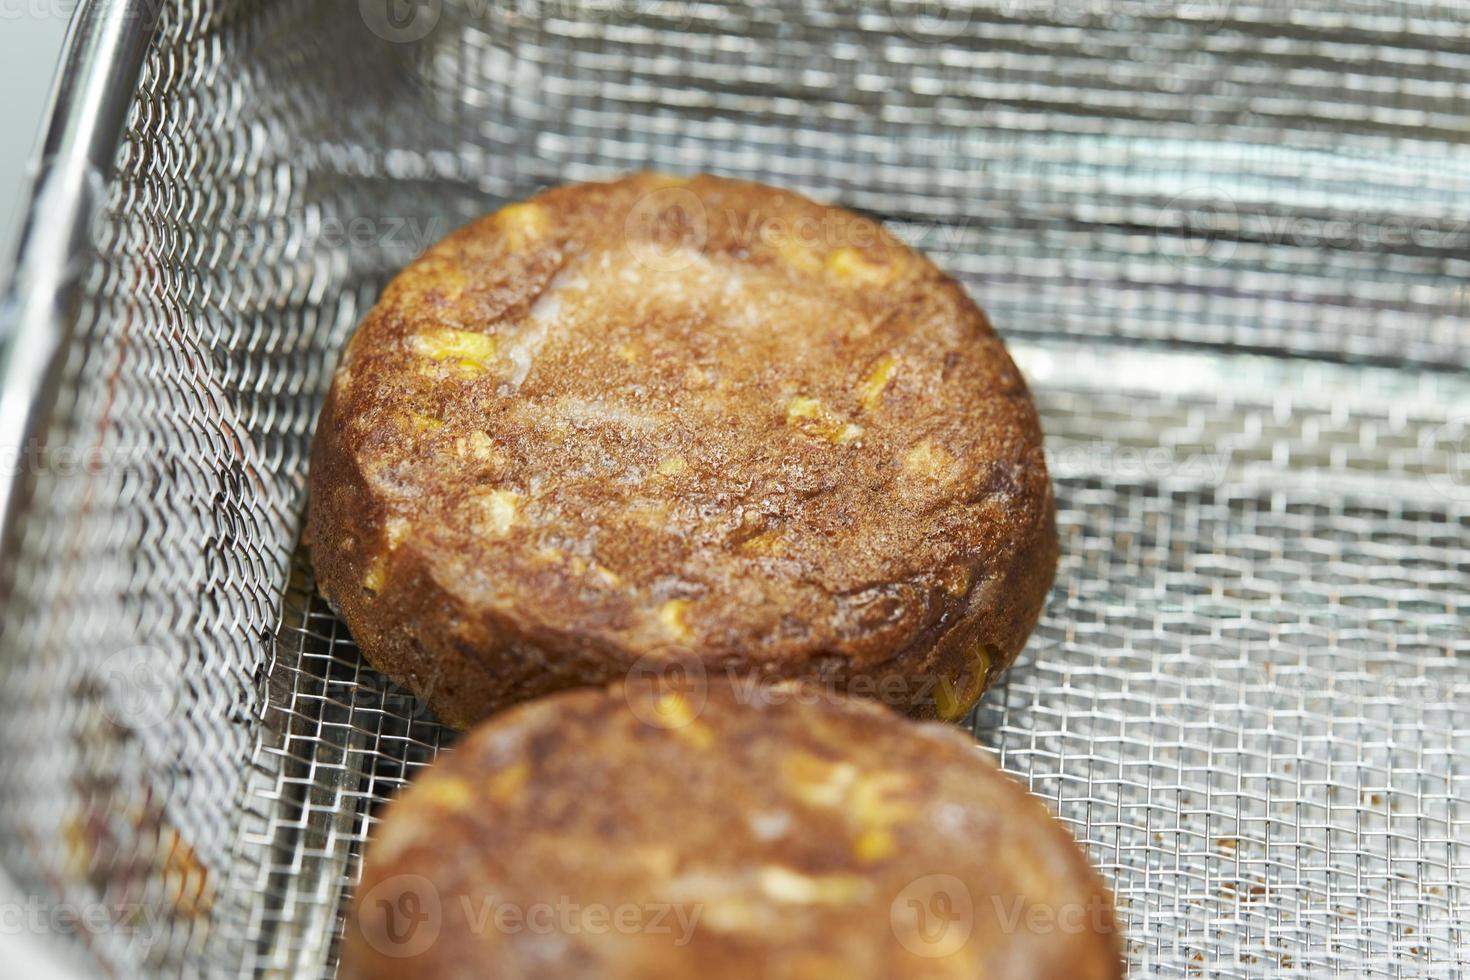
1226 241
104 52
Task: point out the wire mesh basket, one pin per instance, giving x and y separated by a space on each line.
1227 241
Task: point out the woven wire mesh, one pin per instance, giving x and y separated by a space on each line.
1222 237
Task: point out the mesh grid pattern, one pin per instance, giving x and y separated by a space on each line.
1222 237
1248 702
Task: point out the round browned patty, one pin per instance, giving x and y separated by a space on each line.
684 420
681 830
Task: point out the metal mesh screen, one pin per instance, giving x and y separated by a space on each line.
1223 238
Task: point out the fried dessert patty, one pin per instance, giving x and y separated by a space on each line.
680 420
691 830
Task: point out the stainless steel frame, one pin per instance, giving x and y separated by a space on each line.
104 49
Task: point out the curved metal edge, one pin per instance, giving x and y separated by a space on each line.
92 91
103 56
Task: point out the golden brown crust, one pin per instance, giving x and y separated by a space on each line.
690 831
681 420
